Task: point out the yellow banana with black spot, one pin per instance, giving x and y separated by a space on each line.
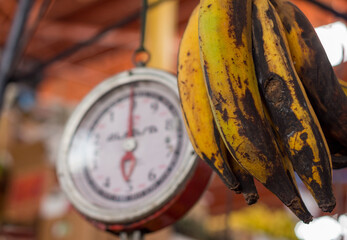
315 71
198 117
226 56
289 108
195 106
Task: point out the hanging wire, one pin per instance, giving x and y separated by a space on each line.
141 50
13 42
17 42
329 9
28 34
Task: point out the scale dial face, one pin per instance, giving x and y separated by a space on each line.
125 151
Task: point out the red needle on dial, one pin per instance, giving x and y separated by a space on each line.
131 106
129 157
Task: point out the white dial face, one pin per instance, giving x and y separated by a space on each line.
128 147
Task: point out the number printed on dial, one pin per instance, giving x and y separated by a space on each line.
128 145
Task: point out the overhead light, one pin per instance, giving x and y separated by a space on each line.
343 221
321 228
334 40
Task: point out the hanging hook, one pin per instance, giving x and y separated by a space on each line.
141 57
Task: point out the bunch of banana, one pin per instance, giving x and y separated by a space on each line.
298 127
261 100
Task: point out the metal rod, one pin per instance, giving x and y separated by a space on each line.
141 48
143 22
11 51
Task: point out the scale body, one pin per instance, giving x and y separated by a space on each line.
125 160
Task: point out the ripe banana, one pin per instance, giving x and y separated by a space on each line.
226 56
289 107
315 72
199 119
195 107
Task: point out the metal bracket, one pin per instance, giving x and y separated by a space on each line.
136 235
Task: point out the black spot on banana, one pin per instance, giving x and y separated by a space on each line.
226 55
289 108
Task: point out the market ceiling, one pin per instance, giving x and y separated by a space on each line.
65 24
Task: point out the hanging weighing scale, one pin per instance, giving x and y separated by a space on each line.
125 161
